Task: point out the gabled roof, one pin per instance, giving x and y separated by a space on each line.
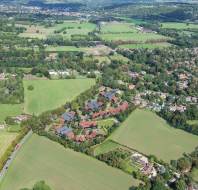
93 105
110 94
68 116
63 130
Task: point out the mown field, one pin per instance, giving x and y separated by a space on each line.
179 25
150 134
5 139
50 94
148 46
9 110
62 169
66 29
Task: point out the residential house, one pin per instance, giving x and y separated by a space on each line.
68 116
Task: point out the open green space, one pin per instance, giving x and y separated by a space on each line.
5 140
194 174
192 122
148 133
50 94
63 48
148 46
117 27
9 110
106 122
105 147
135 37
179 25
62 169
65 29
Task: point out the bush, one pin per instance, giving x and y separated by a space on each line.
30 87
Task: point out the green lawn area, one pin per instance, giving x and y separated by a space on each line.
136 37
70 27
50 94
149 46
192 122
5 139
62 169
106 122
105 147
117 27
179 25
9 110
63 48
194 174
150 134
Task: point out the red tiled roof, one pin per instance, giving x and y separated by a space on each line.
87 124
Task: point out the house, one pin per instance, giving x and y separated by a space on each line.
93 105
139 158
2 76
133 75
110 95
68 116
20 118
131 86
63 130
87 124
80 138
70 135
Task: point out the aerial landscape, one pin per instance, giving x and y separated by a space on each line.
99 94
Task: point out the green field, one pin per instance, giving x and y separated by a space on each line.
50 94
150 134
194 174
192 122
105 147
70 27
179 25
63 48
9 110
135 37
62 169
117 27
149 46
5 139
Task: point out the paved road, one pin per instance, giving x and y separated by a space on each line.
13 155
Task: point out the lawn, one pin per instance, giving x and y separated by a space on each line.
135 37
194 174
150 134
70 28
179 25
5 139
63 48
117 27
9 110
50 94
105 147
192 122
149 46
62 169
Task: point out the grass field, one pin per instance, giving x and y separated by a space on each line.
62 169
194 174
70 28
150 134
179 25
136 37
9 110
50 94
105 147
192 122
117 27
63 48
5 139
149 46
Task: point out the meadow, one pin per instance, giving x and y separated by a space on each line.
147 45
66 29
5 140
9 110
179 25
51 94
63 48
62 169
148 133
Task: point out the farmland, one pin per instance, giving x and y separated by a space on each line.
148 133
5 140
50 94
62 169
147 45
179 25
9 110
66 29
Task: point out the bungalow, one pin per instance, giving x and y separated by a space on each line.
63 130
93 105
68 116
20 118
87 124
110 95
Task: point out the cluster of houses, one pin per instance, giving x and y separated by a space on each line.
107 103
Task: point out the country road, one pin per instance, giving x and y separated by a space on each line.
13 155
